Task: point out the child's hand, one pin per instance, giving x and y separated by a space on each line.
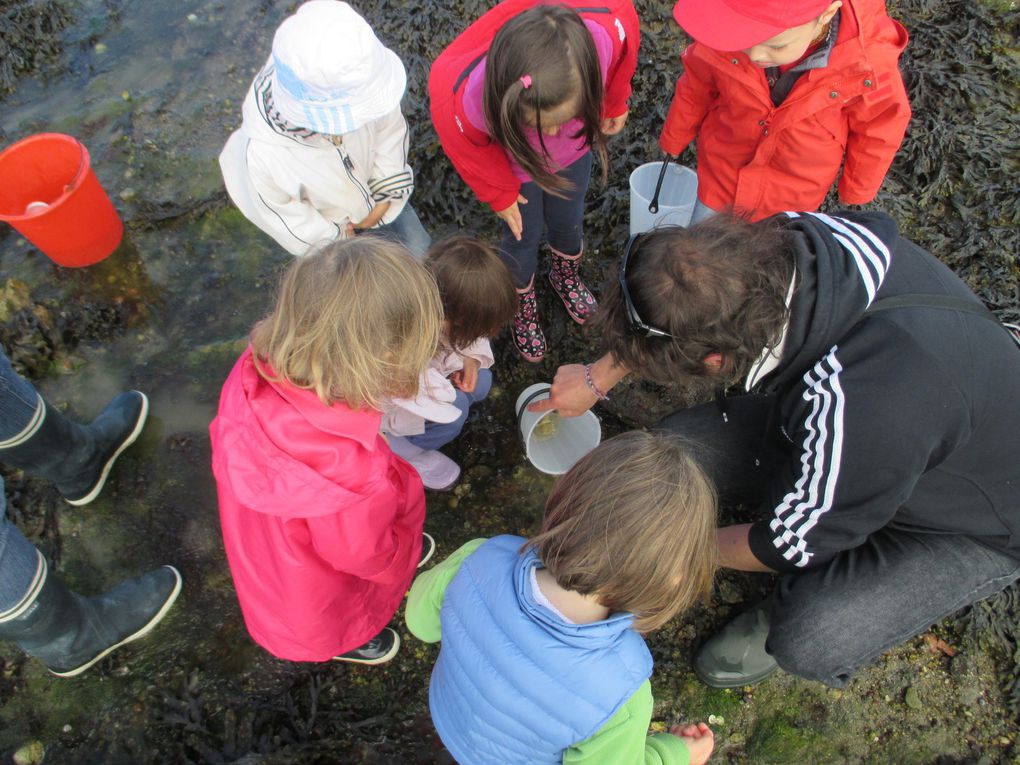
371 219
512 217
613 125
467 378
700 741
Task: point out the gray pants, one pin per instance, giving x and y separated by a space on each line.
828 621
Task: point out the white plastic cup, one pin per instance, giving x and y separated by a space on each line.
677 196
554 453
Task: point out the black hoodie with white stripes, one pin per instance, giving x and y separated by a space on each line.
908 418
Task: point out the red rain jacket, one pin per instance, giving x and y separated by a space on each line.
479 160
321 522
762 159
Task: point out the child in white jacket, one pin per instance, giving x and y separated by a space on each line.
479 298
322 149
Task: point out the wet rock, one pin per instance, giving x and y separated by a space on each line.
912 699
969 695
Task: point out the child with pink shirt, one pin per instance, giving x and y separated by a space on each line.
520 101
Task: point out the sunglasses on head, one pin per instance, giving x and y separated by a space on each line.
636 324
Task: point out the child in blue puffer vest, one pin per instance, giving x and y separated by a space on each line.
542 658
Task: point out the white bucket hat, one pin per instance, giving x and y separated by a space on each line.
331 73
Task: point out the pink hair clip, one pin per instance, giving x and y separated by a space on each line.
526 81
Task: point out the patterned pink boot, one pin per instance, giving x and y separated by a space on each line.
528 336
565 279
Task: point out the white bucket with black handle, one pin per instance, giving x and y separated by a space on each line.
553 443
661 194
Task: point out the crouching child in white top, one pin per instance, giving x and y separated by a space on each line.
479 299
321 153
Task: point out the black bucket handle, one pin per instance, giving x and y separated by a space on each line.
524 408
653 206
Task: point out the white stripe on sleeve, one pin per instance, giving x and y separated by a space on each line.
821 454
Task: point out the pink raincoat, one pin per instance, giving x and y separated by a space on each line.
321 522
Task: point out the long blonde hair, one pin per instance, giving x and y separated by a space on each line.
633 523
356 321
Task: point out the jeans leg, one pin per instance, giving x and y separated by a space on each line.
19 562
521 256
409 231
829 621
482 387
564 218
19 401
441 433
736 443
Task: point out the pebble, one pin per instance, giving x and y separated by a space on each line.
969 695
100 48
193 18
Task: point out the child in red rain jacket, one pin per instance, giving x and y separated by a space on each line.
521 101
780 94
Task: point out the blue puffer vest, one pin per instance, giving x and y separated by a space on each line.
514 682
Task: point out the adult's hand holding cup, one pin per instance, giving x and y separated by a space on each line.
569 394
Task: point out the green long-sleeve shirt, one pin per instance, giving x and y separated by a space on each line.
623 740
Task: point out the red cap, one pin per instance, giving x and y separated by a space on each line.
739 24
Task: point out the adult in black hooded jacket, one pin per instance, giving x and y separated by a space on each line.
881 443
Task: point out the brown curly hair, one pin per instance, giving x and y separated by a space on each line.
718 287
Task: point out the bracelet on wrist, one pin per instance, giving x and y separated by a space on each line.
591 384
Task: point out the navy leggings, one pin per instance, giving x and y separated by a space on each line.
562 219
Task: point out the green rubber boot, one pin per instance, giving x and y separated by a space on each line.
736 656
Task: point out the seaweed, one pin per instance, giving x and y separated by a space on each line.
953 185
29 36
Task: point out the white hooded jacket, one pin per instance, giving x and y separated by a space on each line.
303 187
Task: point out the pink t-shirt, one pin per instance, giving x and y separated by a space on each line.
562 149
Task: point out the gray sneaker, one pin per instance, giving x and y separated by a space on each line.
736 656
378 650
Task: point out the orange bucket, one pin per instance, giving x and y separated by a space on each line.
49 193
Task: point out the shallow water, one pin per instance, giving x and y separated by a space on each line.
153 89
